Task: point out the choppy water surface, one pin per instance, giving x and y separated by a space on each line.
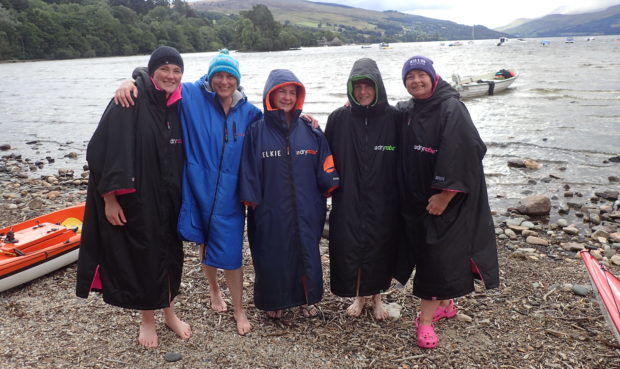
563 111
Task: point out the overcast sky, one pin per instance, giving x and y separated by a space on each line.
490 13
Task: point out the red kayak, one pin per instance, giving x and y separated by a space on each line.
38 246
607 288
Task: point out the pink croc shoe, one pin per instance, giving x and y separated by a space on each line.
427 339
445 312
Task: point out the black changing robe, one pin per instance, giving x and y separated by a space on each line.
441 150
137 149
364 221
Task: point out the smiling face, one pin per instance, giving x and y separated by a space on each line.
419 84
168 77
284 98
224 84
364 92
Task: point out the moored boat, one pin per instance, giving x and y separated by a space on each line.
606 287
38 246
485 84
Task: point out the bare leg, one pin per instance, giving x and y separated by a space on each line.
355 309
234 280
378 309
217 302
173 322
427 309
148 336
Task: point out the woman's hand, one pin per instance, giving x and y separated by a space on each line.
311 119
438 203
125 94
113 210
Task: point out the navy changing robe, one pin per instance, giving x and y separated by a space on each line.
286 173
364 223
441 150
136 149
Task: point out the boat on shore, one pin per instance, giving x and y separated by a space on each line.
485 84
39 246
606 287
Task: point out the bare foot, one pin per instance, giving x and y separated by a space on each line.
277 314
179 327
148 335
217 301
243 324
378 309
356 307
309 311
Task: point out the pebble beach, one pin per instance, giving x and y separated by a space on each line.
544 315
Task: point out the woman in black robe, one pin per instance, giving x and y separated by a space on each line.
130 250
364 222
450 232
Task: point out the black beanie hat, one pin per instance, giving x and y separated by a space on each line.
164 55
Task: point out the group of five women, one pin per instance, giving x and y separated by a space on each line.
183 161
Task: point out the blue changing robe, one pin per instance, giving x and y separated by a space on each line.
286 173
211 211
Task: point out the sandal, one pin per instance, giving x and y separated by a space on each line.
427 339
445 312
309 311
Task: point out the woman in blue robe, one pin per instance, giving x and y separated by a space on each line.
286 174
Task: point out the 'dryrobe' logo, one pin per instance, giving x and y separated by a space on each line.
271 153
421 148
385 148
304 152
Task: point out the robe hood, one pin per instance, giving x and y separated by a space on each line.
366 68
276 79
443 91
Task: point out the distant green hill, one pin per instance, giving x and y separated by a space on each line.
340 17
604 22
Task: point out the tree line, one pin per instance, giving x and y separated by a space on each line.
64 29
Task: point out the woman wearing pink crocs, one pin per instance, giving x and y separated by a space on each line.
450 237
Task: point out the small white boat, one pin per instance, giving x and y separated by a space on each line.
384 45
569 40
485 84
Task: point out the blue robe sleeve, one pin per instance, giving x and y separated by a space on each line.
251 176
327 176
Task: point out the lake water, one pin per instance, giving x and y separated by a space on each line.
563 111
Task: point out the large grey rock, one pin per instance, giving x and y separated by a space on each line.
608 195
534 205
572 246
532 240
581 289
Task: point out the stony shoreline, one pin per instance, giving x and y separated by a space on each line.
544 315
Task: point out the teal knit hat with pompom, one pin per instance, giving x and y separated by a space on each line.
223 62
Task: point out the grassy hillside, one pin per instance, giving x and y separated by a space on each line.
332 16
604 22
